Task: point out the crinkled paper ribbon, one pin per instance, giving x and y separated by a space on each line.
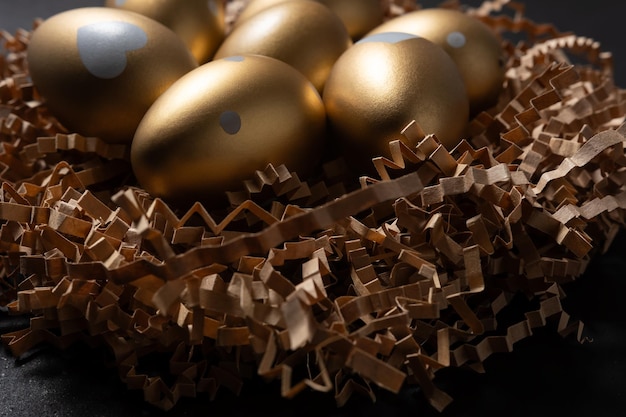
335 284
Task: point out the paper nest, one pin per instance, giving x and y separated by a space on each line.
363 283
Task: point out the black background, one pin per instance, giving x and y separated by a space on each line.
602 20
545 375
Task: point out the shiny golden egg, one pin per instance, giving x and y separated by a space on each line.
384 82
199 23
99 69
359 16
474 47
304 34
255 6
218 124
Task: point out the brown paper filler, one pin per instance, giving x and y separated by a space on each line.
371 283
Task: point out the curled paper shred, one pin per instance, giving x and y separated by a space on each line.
337 284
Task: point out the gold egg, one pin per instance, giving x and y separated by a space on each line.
384 82
217 125
199 23
99 69
359 16
474 47
256 6
304 34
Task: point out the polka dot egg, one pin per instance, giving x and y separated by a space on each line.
99 69
471 44
217 125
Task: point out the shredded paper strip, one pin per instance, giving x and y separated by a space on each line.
338 284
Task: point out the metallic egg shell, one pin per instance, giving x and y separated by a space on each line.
473 46
223 121
384 82
199 23
359 16
99 69
304 34
254 7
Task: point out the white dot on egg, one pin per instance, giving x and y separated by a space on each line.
230 122
388 37
234 58
456 39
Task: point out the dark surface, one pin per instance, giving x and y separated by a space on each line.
545 375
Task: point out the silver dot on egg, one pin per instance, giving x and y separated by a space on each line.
234 58
387 37
456 39
102 46
230 122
